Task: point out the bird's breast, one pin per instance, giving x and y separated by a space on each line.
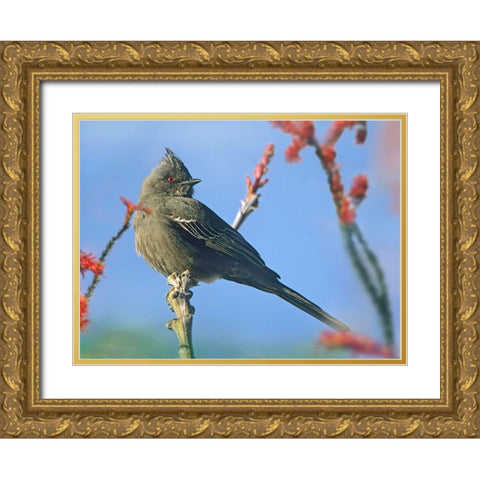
167 248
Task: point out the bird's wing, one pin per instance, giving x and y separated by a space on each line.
204 224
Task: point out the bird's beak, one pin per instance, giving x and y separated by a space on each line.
192 181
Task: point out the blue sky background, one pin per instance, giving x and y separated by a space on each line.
295 230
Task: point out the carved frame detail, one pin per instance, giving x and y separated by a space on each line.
24 65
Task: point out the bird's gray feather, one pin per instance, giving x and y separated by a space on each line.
203 224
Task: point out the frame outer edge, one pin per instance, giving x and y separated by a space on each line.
461 58
466 156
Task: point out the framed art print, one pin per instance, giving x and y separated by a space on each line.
239 239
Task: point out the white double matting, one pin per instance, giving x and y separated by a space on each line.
420 378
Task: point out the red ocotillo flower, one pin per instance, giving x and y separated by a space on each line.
360 132
89 263
357 344
131 209
292 152
336 187
84 321
345 212
302 133
359 188
328 157
336 129
257 181
346 205
261 168
304 130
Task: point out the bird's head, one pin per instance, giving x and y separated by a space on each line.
170 177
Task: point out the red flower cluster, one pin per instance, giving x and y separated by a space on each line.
337 128
328 157
346 204
292 152
302 133
359 188
345 212
360 133
89 263
131 209
84 321
261 168
336 187
358 344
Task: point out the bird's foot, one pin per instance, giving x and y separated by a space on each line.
183 281
179 295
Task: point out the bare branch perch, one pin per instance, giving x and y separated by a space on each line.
247 207
179 295
178 299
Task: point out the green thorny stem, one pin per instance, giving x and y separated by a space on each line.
365 263
104 255
178 297
364 267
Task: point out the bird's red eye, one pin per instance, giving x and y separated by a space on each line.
170 179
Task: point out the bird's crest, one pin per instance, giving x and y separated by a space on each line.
171 158
172 164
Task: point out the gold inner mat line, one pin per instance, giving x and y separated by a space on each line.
77 117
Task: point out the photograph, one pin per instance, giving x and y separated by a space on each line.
219 239
308 210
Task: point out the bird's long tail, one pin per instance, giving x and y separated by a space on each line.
267 280
309 307
293 297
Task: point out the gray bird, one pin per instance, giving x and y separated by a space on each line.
182 233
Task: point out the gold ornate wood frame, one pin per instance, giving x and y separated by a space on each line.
23 66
